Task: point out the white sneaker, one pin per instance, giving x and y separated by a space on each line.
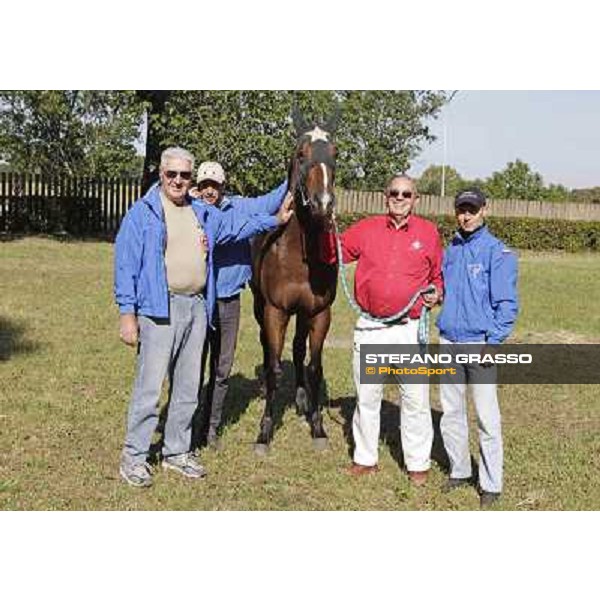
184 464
137 475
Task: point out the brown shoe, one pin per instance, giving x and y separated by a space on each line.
357 470
418 478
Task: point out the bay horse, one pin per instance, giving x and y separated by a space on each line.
288 278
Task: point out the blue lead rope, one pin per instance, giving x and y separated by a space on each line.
423 331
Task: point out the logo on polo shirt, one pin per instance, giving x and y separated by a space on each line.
416 245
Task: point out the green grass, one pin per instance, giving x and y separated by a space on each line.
65 381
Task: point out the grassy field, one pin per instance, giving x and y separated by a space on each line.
65 381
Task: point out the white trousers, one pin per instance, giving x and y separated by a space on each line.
455 427
416 428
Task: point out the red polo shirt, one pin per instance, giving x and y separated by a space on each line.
393 264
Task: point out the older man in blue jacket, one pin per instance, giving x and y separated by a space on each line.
165 287
233 267
480 307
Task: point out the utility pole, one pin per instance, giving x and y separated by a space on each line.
445 151
443 191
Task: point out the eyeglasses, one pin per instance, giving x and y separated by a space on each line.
185 175
397 194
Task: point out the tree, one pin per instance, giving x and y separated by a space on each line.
251 132
70 132
430 181
586 195
517 181
381 131
92 133
248 132
556 193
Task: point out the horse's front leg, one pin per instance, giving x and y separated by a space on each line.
318 328
274 325
299 354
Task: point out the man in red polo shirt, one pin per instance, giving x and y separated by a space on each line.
397 255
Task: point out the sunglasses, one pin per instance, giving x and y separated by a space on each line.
185 175
396 194
468 208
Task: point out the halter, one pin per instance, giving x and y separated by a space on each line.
300 187
319 156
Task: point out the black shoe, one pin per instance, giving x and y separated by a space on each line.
487 499
454 483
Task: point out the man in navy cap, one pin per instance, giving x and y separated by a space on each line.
480 307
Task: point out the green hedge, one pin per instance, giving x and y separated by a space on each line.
521 232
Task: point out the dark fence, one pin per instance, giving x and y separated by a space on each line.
78 206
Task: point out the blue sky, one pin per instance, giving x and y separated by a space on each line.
556 132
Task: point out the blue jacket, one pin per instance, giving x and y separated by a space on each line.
480 283
140 276
233 262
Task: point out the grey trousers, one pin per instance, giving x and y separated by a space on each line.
455 427
167 347
222 342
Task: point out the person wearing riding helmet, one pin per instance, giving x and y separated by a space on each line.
480 307
233 266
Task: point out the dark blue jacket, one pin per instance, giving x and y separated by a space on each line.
140 283
233 262
480 289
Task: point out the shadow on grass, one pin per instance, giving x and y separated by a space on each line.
13 339
242 391
390 431
284 396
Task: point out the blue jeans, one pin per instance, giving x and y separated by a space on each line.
167 346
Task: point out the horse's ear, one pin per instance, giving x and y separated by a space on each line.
332 122
299 121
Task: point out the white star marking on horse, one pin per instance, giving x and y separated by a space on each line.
318 134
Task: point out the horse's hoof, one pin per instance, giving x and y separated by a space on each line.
302 401
261 449
320 444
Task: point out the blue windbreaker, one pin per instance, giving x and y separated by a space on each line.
233 262
140 283
480 283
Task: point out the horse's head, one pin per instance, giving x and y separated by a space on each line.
312 173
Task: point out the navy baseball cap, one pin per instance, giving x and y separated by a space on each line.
473 196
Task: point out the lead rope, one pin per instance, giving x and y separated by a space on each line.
423 331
